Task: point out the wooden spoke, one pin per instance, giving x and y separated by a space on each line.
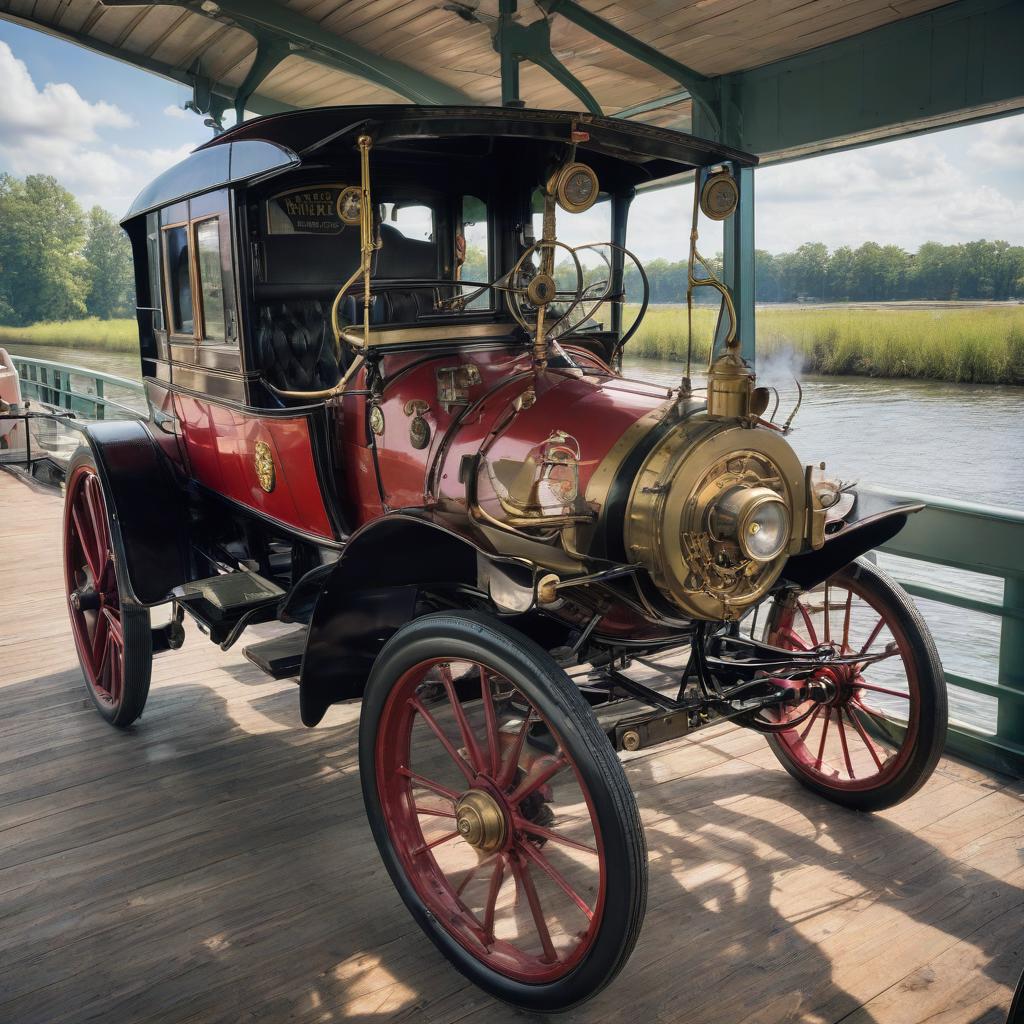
470 875
824 734
521 873
827 638
433 812
532 783
864 737
435 787
83 536
842 740
846 621
555 837
447 837
810 722
417 705
874 635
508 769
491 720
555 875
465 730
497 877
811 632
880 689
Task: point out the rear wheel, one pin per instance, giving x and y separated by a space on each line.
112 635
501 811
877 738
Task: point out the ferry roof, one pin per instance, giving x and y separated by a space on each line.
269 145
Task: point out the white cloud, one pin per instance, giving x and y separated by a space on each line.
55 111
54 130
178 113
999 144
902 193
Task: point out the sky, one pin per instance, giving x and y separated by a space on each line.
105 129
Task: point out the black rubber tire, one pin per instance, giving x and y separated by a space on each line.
538 676
1016 1015
931 736
136 627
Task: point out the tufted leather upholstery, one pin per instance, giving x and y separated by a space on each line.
295 347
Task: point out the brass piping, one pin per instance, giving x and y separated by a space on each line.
366 247
330 392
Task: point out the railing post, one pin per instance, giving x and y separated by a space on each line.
1009 720
99 406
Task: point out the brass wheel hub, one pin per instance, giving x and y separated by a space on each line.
480 821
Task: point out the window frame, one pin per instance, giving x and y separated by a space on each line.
201 336
172 327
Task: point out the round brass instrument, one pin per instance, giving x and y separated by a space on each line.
576 188
719 196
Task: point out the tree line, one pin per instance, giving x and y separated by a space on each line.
57 261
871 273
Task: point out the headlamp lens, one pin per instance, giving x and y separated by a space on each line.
765 531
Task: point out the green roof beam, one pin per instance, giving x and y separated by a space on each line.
703 89
310 40
219 94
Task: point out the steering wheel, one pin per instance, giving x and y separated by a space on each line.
530 289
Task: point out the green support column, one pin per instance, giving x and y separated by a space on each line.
1010 715
739 264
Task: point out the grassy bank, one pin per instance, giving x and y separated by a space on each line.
980 345
112 335
967 345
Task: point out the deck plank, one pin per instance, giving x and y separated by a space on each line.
213 864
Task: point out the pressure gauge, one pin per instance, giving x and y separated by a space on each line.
576 188
350 204
719 196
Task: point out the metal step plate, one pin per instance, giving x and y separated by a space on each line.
281 656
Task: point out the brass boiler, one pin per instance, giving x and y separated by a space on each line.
705 495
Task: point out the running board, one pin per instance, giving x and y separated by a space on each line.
281 656
224 605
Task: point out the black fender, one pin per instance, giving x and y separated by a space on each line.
147 508
374 588
876 520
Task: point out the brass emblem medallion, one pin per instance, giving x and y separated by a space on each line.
377 420
264 459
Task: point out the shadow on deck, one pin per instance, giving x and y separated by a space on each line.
213 863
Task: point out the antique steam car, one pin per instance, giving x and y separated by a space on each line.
387 406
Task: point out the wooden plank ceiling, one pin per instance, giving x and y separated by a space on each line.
430 36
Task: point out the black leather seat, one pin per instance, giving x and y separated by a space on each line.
296 346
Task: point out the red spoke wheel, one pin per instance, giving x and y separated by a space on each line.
112 636
876 733
501 810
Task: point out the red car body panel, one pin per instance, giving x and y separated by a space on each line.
221 445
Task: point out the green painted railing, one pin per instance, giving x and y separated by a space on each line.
956 534
76 389
990 541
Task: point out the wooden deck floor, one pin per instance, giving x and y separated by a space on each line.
213 863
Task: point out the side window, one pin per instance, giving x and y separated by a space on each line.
211 280
477 265
179 279
415 222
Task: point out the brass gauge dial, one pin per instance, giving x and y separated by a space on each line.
576 188
719 196
350 204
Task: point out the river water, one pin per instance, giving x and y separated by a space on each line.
950 440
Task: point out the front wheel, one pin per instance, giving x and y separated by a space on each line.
112 635
501 811
878 736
